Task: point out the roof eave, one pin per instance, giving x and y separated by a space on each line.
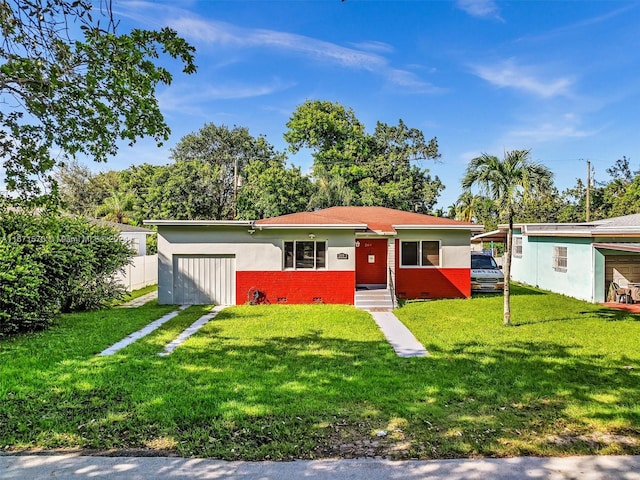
560 233
621 247
473 228
197 223
331 226
608 231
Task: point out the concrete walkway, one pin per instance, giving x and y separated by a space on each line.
162 468
195 326
399 336
138 302
146 330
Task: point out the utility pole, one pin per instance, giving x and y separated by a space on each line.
235 187
588 189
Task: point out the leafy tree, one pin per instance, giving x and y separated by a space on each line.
507 182
228 151
363 169
620 196
628 201
78 90
189 190
574 205
332 131
543 208
620 171
141 182
271 189
73 179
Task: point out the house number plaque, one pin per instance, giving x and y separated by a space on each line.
343 256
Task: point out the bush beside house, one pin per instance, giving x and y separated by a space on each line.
51 264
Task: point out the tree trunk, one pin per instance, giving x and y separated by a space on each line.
507 273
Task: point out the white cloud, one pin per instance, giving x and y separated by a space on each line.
480 8
549 131
411 82
508 74
365 56
583 24
222 33
549 128
172 100
374 46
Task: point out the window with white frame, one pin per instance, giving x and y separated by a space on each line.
560 259
517 247
305 254
424 253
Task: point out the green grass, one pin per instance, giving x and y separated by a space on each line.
285 382
139 293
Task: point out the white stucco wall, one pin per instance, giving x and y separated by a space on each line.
260 251
455 250
137 240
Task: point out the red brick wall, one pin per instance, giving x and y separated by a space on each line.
298 286
431 282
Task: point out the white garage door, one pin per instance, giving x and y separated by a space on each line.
203 280
622 269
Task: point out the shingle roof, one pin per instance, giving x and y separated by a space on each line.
123 227
632 220
378 219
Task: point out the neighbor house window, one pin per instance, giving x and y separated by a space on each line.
517 247
305 254
425 253
560 259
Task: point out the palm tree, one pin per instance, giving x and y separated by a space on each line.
507 182
330 191
116 208
465 206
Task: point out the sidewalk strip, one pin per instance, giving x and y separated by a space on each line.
125 342
138 302
399 336
195 326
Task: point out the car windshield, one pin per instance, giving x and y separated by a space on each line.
483 261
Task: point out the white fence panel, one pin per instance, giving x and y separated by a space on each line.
142 272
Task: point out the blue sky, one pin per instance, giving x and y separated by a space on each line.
559 78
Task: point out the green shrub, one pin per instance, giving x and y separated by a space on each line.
51 264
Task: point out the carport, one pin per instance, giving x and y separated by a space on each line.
621 263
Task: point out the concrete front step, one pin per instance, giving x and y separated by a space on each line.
373 299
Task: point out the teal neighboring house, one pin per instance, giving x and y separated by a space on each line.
579 260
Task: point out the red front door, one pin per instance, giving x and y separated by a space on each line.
371 261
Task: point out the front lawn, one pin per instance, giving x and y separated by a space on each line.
285 382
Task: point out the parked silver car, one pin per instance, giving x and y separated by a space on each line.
486 275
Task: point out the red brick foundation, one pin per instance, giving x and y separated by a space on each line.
298 286
433 283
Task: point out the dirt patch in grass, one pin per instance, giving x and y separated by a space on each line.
348 439
594 440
